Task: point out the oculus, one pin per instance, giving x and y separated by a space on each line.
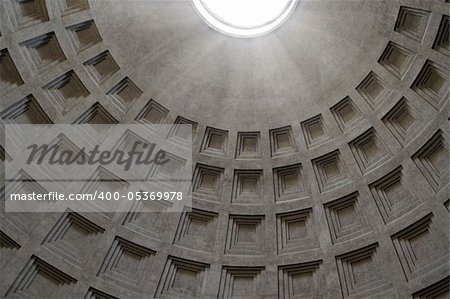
244 18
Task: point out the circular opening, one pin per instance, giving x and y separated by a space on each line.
244 18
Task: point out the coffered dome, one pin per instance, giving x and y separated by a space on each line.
320 148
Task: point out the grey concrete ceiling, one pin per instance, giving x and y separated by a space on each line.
311 62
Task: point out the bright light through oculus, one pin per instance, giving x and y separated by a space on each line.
245 18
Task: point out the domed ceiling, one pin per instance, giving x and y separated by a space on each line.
320 149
